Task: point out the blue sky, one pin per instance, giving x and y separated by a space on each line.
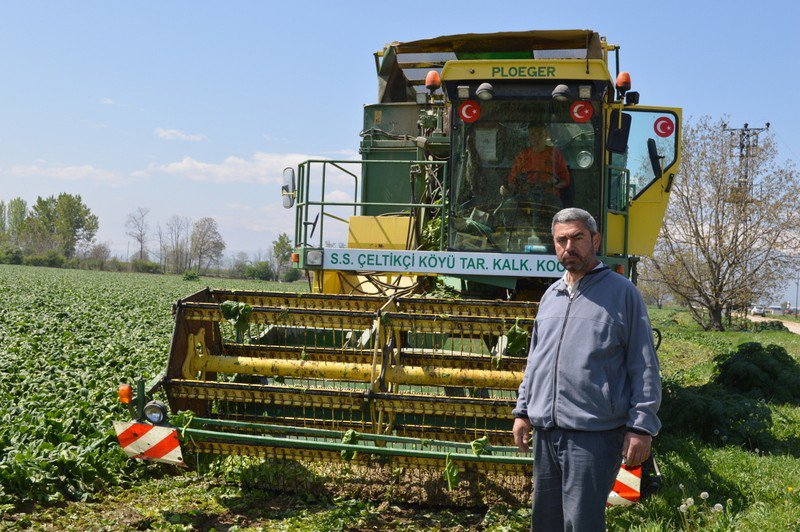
193 108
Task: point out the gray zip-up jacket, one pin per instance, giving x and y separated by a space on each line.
592 365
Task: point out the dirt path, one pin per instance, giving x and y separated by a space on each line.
793 326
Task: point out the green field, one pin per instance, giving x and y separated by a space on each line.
68 337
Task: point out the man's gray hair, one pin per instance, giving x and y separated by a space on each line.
574 214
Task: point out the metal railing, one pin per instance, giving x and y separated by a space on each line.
306 193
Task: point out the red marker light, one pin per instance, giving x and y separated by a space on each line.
295 257
433 81
125 394
623 82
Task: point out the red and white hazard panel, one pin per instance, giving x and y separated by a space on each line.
140 440
627 488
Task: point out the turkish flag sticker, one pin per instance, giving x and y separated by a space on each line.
581 111
664 127
469 111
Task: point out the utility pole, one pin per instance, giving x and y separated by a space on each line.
796 293
748 148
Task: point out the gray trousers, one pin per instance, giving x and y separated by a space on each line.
573 472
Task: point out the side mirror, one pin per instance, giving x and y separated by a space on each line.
618 133
655 158
288 188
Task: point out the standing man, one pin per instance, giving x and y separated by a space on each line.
591 388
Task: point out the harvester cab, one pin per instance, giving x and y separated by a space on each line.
409 348
472 162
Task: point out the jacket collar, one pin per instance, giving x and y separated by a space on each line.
589 278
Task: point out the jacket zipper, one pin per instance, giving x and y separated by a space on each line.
558 353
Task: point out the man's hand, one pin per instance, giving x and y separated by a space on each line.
522 432
635 448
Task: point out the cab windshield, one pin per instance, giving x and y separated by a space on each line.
514 168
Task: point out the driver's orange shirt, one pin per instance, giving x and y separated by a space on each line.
544 165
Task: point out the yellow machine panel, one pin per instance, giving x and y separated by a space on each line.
527 69
380 232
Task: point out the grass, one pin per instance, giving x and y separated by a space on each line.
759 489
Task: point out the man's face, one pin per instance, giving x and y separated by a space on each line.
576 247
537 137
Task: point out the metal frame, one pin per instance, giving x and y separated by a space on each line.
304 193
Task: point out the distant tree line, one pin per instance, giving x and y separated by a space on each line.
275 265
54 231
176 247
181 246
59 231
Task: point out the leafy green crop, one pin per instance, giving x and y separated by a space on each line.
351 438
479 446
450 473
517 340
238 314
67 339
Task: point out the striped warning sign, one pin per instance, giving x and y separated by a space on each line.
627 488
140 440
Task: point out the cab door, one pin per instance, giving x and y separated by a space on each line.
636 196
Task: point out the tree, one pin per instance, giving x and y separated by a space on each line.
176 247
136 225
17 212
239 264
731 227
162 248
75 224
261 270
3 227
207 244
61 224
99 253
282 253
653 289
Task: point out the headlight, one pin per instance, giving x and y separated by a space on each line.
585 159
155 412
314 257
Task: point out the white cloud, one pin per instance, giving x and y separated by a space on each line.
262 167
177 134
275 220
85 172
107 101
240 207
344 154
339 196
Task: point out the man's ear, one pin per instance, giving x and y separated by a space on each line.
596 241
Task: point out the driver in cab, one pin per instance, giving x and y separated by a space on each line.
538 166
